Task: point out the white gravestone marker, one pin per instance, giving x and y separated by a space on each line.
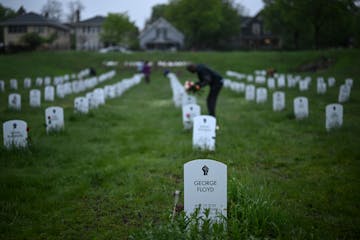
321 87
349 82
81 105
13 84
301 107
261 95
47 81
281 81
54 119
303 85
271 83
189 112
278 101
331 81
2 86
35 98
250 78
15 133
27 83
334 116
49 94
344 93
38 82
15 101
205 187
204 132
250 92
188 99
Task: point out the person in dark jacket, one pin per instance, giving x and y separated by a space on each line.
209 77
146 70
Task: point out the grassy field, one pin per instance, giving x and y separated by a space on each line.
111 174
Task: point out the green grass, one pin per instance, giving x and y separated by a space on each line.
111 174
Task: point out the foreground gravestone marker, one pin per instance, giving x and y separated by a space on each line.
35 98
301 107
204 132
205 187
15 134
188 99
15 101
278 101
54 119
189 112
334 116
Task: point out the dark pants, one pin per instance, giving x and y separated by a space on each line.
212 97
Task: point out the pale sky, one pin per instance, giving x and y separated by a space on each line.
138 10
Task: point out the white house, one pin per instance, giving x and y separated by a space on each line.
161 35
88 32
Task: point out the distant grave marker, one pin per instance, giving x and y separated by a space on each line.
321 88
189 112
278 101
331 81
301 107
81 105
35 98
13 84
281 81
38 82
188 99
204 132
250 92
334 116
271 83
54 118
344 93
349 82
15 134
49 94
2 86
205 187
261 95
303 85
15 101
27 83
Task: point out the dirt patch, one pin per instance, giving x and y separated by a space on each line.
319 64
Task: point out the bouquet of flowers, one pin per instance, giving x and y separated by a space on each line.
191 87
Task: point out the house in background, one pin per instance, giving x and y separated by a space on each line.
88 33
161 35
254 35
15 28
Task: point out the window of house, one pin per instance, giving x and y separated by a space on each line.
256 28
17 29
165 32
40 29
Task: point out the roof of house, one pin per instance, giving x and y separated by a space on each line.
94 21
33 19
154 24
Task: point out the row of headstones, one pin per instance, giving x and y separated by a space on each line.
98 96
158 63
282 80
15 132
203 126
62 90
46 81
333 112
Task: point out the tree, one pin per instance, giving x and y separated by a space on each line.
119 30
53 10
311 23
5 13
75 7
